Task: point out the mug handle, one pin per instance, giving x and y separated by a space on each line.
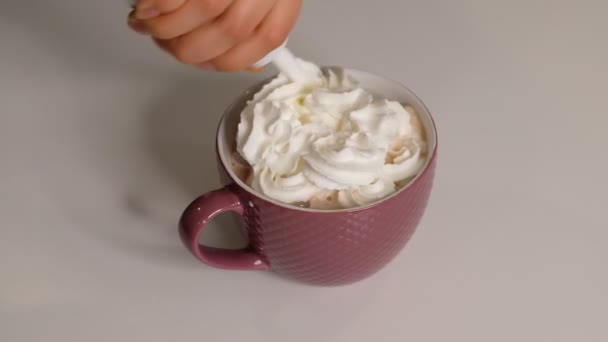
196 217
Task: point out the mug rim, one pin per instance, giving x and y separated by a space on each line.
250 91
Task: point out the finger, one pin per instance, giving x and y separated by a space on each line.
255 70
135 24
146 9
200 45
214 38
191 15
242 18
162 44
271 33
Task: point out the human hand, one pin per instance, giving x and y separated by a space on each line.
224 35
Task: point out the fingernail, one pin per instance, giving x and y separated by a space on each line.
137 26
146 13
206 66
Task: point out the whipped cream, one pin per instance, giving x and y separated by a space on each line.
323 133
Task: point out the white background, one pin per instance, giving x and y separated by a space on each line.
104 140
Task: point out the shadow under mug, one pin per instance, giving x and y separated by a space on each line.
320 247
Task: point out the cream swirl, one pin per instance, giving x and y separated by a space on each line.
345 159
290 188
406 159
366 194
384 120
324 133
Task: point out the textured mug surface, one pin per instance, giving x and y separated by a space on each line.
321 247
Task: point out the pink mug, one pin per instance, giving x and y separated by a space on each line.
321 247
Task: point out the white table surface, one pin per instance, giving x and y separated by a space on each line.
104 140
